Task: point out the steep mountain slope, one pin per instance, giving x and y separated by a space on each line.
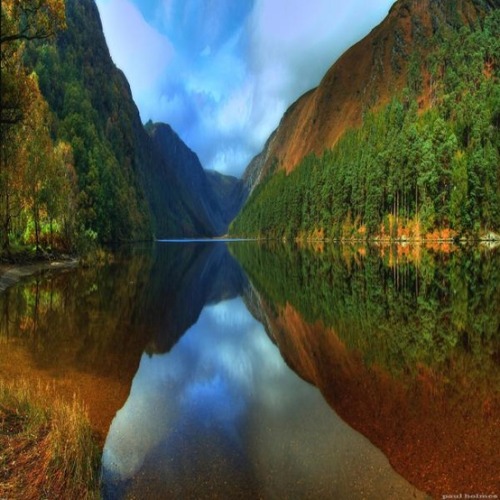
400 140
366 76
212 199
230 193
131 184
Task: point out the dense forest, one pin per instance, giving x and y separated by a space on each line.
67 171
78 168
410 169
37 174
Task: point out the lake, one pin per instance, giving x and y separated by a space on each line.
251 370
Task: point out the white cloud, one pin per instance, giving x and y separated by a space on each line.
235 112
290 47
223 73
136 48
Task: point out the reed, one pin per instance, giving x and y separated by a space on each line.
47 447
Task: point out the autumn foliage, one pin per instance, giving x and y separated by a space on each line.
37 177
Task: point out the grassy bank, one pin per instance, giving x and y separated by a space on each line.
47 448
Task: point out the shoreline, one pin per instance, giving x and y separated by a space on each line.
12 273
490 242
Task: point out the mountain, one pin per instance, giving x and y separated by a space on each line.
230 193
101 177
367 76
211 199
384 145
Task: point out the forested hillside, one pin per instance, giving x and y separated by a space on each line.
78 168
90 192
428 161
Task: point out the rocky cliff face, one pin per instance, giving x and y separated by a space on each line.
367 76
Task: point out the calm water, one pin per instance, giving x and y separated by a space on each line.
249 371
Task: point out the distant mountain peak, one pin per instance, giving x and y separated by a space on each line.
212 199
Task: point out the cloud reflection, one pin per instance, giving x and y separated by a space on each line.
207 379
222 410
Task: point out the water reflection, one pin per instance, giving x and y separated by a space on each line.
73 329
222 416
183 279
88 327
403 343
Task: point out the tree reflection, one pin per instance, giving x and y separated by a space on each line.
405 349
88 327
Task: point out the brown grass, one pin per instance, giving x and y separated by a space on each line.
45 451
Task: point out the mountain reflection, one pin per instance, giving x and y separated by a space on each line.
89 326
183 279
222 416
191 363
198 390
214 411
403 343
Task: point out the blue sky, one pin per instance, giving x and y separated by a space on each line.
223 72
